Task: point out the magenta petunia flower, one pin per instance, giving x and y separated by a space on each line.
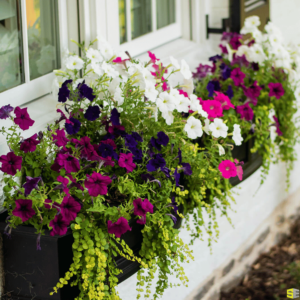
235 42
22 118
126 161
252 92
152 57
69 208
276 90
228 169
96 184
59 225
237 76
11 163
29 145
245 111
223 49
224 100
69 162
60 138
277 124
213 108
118 228
141 208
63 185
23 209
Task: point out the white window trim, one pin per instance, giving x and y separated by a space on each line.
33 89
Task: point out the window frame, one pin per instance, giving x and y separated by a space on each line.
39 87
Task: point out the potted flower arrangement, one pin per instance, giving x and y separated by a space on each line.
259 74
111 173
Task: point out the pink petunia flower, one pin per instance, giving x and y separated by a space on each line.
213 108
11 163
69 208
126 161
228 169
152 57
22 118
277 124
118 228
239 169
60 138
24 209
29 145
59 225
237 76
252 92
276 90
141 208
69 162
96 184
224 100
245 111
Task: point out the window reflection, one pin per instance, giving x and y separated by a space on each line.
43 36
11 69
165 12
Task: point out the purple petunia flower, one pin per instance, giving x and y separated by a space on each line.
179 156
225 71
277 124
137 154
67 161
252 92
240 60
118 228
69 208
130 141
72 126
187 170
162 138
136 136
141 208
96 184
166 171
213 86
23 209
106 150
155 163
11 163
147 177
276 90
64 92
202 71
92 113
155 144
229 92
215 58
29 145
85 91
22 118
237 76
31 184
177 177
59 225
115 117
174 204
60 138
245 111
255 66
5 111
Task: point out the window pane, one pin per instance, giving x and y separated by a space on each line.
11 69
141 22
165 10
122 21
43 36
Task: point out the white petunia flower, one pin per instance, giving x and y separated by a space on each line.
218 128
221 150
185 70
206 126
109 70
175 63
237 137
252 21
113 85
174 94
196 106
165 102
168 116
74 62
148 77
188 85
106 50
118 96
182 104
193 128
230 52
97 68
151 92
244 50
257 54
94 55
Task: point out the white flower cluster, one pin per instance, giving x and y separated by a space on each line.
118 69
